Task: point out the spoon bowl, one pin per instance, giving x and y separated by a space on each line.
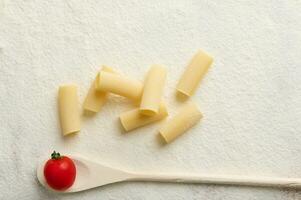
88 175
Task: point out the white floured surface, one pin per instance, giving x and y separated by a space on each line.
251 97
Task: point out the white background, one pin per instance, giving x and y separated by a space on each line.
250 98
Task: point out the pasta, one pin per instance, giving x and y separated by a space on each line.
187 117
120 85
194 73
68 109
134 119
96 99
153 90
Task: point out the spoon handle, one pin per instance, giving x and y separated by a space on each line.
222 180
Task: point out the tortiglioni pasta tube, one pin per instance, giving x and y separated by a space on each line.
153 90
69 109
134 119
194 73
96 99
187 117
120 85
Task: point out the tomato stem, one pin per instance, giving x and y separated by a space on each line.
55 155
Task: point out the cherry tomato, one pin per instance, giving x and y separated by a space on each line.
59 172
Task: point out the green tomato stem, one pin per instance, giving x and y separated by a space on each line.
55 155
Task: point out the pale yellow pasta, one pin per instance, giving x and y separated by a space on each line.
134 119
153 90
194 73
120 85
187 117
96 99
69 109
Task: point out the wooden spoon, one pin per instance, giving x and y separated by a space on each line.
92 174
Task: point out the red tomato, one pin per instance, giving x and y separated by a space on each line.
59 172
